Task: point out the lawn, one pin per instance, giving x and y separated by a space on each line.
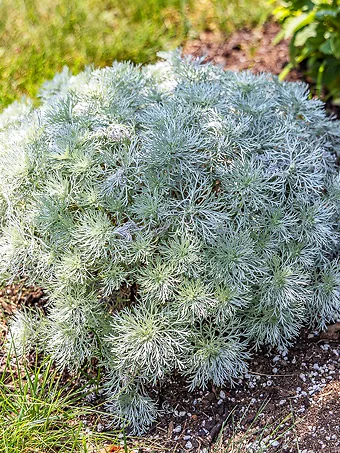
38 38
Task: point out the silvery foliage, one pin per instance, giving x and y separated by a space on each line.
212 196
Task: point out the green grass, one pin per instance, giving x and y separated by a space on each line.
41 414
37 38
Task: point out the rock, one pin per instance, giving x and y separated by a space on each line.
222 395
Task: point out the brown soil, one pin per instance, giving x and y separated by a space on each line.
286 403
245 49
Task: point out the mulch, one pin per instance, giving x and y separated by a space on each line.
250 49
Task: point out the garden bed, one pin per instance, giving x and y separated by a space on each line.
286 402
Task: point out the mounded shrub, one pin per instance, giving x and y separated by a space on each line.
177 216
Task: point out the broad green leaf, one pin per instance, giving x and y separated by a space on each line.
326 47
303 35
307 19
335 45
325 13
292 24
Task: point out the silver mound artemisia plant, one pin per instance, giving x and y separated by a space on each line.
209 198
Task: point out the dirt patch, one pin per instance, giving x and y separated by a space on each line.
287 402
246 49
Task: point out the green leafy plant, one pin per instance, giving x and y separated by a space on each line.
176 214
314 29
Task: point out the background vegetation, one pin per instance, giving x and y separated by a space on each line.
313 28
39 38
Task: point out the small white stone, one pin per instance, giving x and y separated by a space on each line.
178 429
222 395
182 414
188 445
274 443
